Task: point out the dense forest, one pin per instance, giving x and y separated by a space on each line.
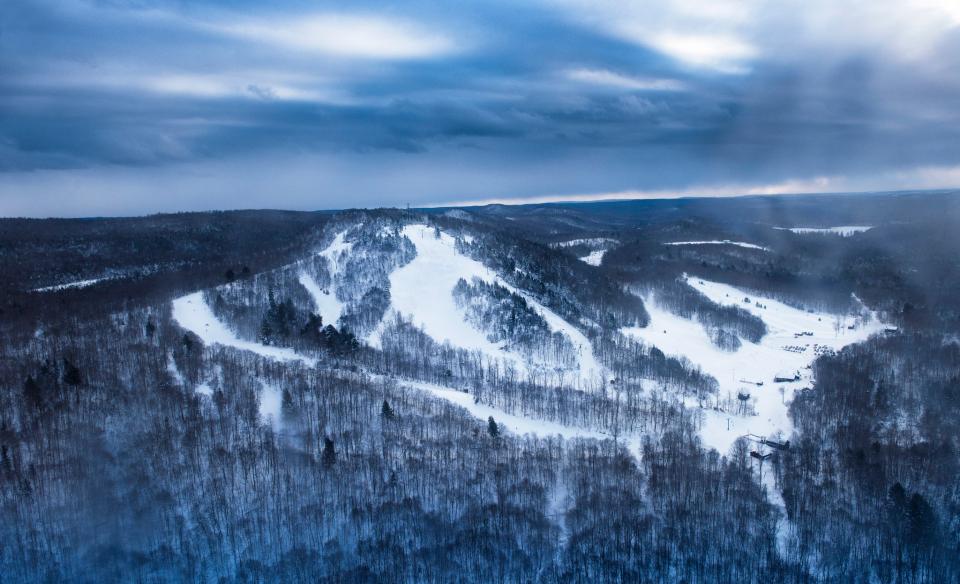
260 396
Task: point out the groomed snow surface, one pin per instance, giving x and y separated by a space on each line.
841 230
422 291
779 351
718 242
327 304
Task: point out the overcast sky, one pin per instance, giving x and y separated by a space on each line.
128 107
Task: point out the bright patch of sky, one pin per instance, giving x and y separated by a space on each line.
123 108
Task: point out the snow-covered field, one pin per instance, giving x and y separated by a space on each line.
780 352
841 230
594 258
422 290
719 242
192 313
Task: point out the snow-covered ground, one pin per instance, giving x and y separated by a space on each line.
271 403
594 258
720 242
336 250
192 313
516 424
591 241
325 301
70 285
780 351
841 230
422 290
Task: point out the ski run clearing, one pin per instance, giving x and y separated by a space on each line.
795 338
422 291
841 230
721 242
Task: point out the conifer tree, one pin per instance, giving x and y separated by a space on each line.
492 427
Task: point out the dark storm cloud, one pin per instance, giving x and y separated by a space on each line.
312 105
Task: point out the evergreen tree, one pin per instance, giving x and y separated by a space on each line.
5 461
71 374
329 452
492 427
32 393
287 404
386 411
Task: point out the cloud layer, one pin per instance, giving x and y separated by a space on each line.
117 107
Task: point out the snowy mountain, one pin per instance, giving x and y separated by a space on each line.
456 396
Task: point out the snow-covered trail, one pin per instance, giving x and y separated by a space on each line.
192 313
423 291
326 302
780 351
520 425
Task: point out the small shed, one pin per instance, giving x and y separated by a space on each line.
784 377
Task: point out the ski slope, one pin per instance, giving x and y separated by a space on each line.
192 313
518 425
779 352
422 291
326 302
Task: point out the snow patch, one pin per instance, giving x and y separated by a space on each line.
271 404
720 242
594 258
841 230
